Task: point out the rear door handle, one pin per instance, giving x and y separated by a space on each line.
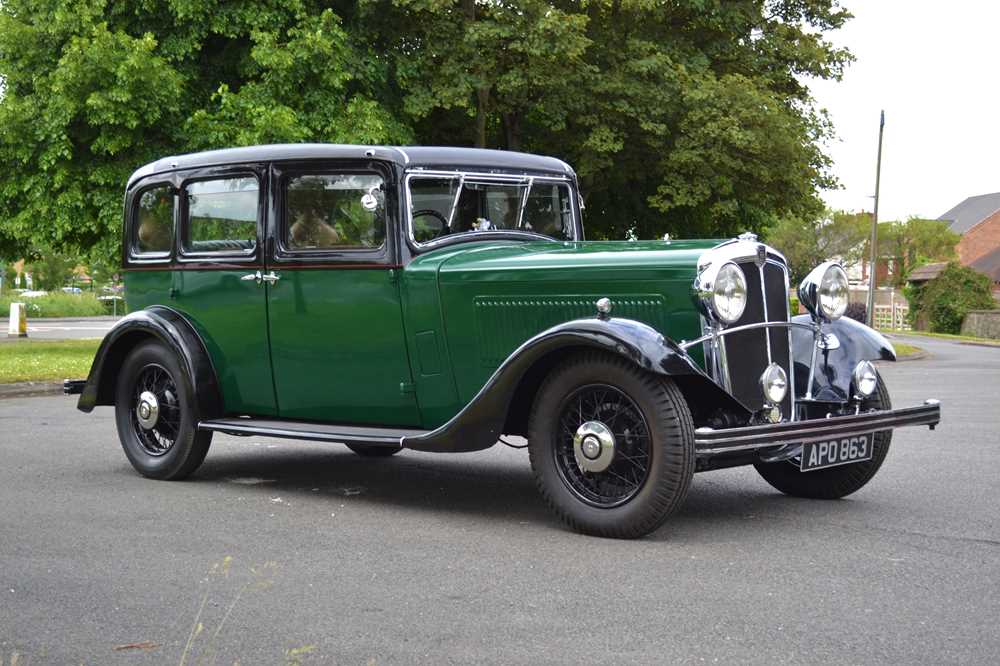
271 277
253 277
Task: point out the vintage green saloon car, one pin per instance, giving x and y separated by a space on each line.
438 299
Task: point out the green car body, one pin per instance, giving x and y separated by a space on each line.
424 298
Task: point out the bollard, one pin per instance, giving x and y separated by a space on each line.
18 327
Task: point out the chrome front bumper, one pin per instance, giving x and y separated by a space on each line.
709 441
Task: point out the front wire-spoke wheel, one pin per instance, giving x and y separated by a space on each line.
602 449
156 414
611 446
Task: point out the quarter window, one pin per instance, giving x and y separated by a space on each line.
334 211
222 215
154 221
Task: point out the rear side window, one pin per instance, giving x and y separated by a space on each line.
222 215
154 222
334 211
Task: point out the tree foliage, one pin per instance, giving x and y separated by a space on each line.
687 117
915 242
944 301
807 242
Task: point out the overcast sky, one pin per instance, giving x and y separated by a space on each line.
933 67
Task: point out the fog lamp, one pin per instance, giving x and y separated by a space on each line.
865 378
774 384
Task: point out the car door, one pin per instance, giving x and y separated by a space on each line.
220 254
337 343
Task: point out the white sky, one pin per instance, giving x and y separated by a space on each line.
935 69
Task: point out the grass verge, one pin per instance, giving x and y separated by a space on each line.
949 336
904 350
45 360
56 304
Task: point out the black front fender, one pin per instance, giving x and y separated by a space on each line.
832 376
482 421
171 329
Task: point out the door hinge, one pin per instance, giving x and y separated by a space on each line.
393 275
406 388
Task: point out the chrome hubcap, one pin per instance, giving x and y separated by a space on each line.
147 410
593 447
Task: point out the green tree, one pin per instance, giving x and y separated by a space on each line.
807 242
94 88
944 301
687 117
915 242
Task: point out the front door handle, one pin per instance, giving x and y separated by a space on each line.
271 277
252 277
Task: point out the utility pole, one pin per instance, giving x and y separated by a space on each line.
874 242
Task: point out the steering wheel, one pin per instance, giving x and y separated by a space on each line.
437 228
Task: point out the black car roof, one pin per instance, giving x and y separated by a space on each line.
406 156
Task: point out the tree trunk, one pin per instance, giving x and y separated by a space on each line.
482 112
512 130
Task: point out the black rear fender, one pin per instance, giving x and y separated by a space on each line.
171 329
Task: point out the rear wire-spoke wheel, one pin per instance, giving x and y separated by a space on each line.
611 446
839 481
155 412
156 418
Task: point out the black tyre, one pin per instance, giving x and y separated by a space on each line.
835 482
156 416
373 451
611 446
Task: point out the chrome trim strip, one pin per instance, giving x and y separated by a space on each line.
745 327
709 441
763 303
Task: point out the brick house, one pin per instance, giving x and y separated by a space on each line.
977 220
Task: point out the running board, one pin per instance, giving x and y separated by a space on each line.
321 432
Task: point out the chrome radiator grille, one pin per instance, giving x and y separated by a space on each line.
748 352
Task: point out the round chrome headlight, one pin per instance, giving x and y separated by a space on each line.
824 292
774 384
723 291
833 293
865 378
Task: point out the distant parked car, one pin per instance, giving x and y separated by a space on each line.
72 290
438 299
33 293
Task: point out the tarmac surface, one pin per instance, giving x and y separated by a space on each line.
288 552
62 329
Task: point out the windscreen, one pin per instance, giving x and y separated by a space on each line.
442 206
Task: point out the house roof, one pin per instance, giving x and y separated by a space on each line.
409 157
989 264
926 272
971 212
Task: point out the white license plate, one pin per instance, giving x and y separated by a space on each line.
840 451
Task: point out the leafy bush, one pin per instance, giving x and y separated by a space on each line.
857 311
793 305
56 304
944 301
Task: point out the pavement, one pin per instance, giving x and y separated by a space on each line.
71 328
294 552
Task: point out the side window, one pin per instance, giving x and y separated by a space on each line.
222 215
154 222
334 211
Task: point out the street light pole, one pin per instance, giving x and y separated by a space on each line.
874 242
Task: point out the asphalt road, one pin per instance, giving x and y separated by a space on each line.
297 552
62 329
